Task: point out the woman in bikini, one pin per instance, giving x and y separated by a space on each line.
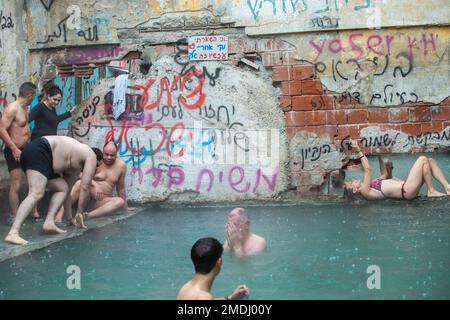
423 171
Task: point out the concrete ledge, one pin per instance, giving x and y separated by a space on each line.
32 232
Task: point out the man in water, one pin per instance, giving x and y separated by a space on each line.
54 162
109 175
15 133
240 240
206 254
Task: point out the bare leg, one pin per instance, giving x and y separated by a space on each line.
439 175
36 190
74 195
105 206
61 189
35 213
428 177
15 177
419 173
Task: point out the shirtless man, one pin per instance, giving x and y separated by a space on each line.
109 175
206 254
240 240
54 162
15 132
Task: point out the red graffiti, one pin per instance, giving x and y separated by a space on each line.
190 98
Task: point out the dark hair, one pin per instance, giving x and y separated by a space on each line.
53 91
26 89
98 153
205 253
111 141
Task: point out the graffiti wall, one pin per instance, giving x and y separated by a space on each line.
278 16
387 67
204 131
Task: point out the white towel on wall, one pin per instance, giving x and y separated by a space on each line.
120 90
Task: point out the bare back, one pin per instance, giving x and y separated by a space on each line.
15 122
69 155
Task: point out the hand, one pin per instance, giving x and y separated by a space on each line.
240 292
234 235
16 153
96 192
355 145
73 109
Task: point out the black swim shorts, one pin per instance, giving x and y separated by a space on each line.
10 161
38 156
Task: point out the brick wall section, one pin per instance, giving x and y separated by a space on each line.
309 107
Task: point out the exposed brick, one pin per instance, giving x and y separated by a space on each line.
323 131
386 127
445 102
290 58
411 128
295 118
440 112
316 118
398 114
241 46
281 73
285 88
312 102
264 45
336 117
302 72
377 115
357 116
271 59
435 126
344 101
351 130
285 103
420 114
292 131
295 88
312 87
301 103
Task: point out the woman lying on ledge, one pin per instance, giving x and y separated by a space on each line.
423 171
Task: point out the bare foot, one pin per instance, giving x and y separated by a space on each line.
436 194
79 220
52 228
15 239
58 220
448 191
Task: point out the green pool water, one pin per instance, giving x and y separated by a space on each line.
315 251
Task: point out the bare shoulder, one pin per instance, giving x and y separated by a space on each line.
191 292
11 109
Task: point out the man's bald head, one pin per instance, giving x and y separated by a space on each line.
109 153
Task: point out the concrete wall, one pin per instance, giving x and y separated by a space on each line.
313 73
198 132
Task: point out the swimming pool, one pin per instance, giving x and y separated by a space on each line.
315 251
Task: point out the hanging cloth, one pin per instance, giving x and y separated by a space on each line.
120 90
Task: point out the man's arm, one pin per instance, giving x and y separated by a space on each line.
120 188
86 179
5 123
70 180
